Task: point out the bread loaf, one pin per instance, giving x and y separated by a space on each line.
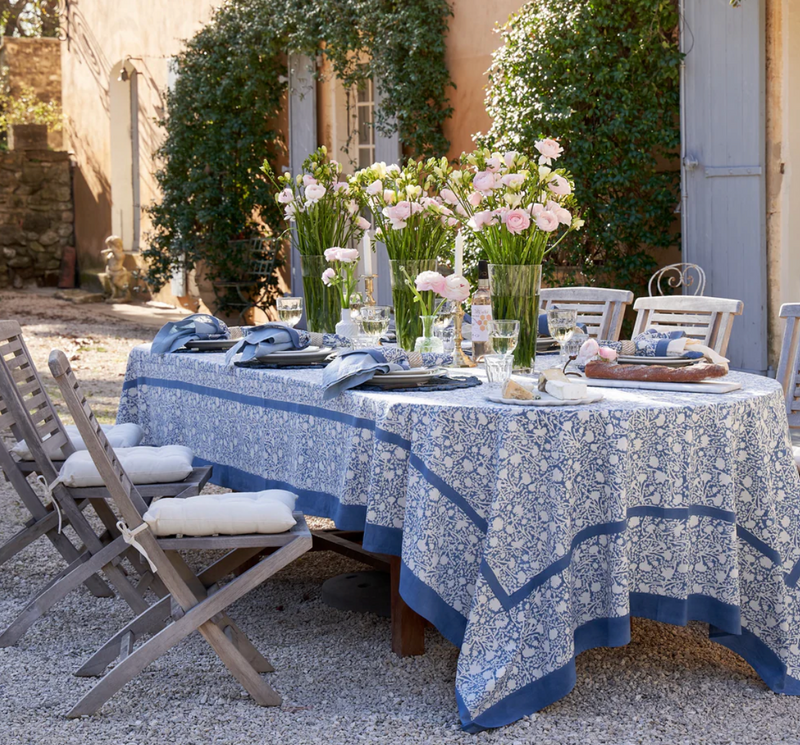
655 373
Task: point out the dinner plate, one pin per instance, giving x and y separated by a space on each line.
308 356
406 377
211 345
666 361
545 399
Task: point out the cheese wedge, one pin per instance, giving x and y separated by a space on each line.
516 391
567 390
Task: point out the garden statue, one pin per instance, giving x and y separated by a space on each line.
119 278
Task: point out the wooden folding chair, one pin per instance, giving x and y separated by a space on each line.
788 374
708 319
198 602
600 309
27 412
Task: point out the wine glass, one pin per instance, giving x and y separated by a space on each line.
375 321
290 310
445 314
503 336
562 324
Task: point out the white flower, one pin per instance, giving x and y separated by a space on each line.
315 192
559 185
376 187
362 223
285 196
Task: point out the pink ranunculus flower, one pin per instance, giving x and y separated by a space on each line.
363 223
456 288
607 353
510 157
449 196
315 192
376 187
430 281
481 219
309 180
559 185
475 198
401 211
536 209
517 221
513 180
493 164
348 255
549 148
563 215
328 275
547 221
332 253
483 181
285 196
590 348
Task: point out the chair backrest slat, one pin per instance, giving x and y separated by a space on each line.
709 319
600 309
788 374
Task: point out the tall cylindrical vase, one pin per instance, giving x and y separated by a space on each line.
515 296
322 304
406 311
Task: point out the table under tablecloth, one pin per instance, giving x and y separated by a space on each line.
527 535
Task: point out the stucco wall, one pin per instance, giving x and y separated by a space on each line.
100 35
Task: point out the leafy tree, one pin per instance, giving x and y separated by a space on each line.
29 18
601 76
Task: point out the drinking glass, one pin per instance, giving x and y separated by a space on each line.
445 314
563 324
498 370
504 336
573 346
375 321
448 336
290 310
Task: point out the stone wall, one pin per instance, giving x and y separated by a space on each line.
36 216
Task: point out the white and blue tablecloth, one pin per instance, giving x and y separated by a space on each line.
527 534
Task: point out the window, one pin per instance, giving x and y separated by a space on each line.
365 112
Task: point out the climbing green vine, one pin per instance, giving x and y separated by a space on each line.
221 115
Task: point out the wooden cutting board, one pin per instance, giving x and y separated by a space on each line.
720 385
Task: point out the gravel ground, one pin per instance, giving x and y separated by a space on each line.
340 682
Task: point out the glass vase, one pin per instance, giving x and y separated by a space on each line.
428 342
323 306
515 296
406 312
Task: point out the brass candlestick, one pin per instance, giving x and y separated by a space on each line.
369 288
460 359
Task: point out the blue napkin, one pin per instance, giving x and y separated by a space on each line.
654 343
267 339
544 328
174 335
351 369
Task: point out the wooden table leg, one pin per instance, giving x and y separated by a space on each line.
408 628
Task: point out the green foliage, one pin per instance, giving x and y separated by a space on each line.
230 83
28 108
29 18
603 78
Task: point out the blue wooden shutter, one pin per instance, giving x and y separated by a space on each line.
724 143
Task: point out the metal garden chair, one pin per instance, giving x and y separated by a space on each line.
690 278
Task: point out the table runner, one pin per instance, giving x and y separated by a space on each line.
527 535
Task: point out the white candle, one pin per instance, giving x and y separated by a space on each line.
367 253
459 267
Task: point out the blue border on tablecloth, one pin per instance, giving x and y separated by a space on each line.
724 628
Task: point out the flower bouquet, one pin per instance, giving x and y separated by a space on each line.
324 212
519 211
341 276
424 287
416 226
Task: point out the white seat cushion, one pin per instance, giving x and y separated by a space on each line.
144 465
239 513
796 452
119 436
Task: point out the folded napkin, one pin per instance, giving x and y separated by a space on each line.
655 343
354 367
174 335
544 328
261 341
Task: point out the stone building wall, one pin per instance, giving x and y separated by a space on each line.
36 216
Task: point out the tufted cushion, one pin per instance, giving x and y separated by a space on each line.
144 465
796 451
119 435
267 511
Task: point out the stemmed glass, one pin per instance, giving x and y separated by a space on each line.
504 336
562 324
290 310
445 314
375 321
